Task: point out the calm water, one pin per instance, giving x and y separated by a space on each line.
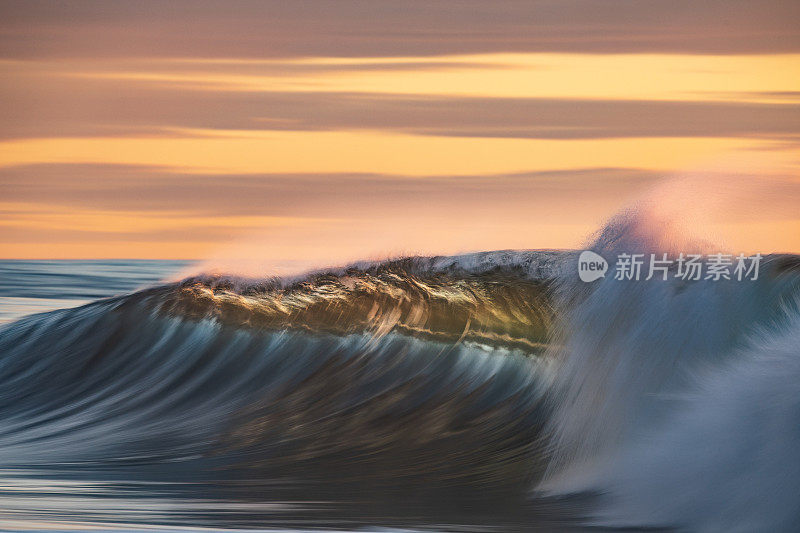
28 287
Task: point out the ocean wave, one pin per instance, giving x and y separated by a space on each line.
377 385
469 386
661 392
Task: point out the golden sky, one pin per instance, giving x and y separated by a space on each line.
320 131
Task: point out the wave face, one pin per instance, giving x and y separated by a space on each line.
415 384
486 391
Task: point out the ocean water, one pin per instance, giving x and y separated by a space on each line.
118 415
34 286
492 391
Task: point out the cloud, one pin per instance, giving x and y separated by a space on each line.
139 211
351 28
61 210
78 108
165 199
170 126
142 188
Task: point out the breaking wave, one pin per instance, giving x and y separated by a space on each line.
677 402
414 384
466 387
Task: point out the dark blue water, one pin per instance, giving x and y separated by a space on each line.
213 404
35 286
471 393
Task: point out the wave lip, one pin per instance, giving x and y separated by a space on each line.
497 298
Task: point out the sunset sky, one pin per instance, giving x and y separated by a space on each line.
300 130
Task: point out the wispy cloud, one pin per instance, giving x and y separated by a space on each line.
162 112
348 28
